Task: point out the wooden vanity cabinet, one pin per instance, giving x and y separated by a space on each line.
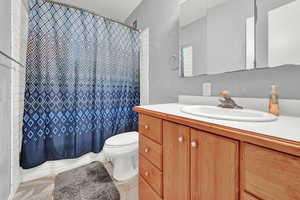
185 160
198 165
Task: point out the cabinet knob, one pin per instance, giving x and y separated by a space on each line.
146 127
146 150
180 139
194 144
146 173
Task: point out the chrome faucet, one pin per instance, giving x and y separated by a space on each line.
228 102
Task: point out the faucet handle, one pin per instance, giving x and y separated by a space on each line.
225 93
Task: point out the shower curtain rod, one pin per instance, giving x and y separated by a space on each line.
86 10
10 58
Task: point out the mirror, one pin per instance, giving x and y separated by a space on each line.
216 36
278 33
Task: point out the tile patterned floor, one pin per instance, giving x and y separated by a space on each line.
128 189
36 190
42 189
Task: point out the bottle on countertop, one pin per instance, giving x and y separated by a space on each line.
274 102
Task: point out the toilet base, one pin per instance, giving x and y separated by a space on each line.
124 169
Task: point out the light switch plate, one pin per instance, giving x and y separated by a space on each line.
206 88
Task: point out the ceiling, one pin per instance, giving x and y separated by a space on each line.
191 10
114 9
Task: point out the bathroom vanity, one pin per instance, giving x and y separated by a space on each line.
185 157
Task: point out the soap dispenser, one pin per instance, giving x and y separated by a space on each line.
274 102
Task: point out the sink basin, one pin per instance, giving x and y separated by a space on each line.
214 112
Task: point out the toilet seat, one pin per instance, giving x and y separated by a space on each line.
122 151
121 140
125 143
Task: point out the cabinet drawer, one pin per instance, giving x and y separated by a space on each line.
270 174
151 127
151 174
246 196
145 191
151 150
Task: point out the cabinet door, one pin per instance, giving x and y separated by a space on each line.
214 167
176 161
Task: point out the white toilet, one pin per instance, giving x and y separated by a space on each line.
122 150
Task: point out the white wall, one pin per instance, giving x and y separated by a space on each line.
5 100
19 29
163 24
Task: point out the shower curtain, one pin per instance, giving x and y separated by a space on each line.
82 81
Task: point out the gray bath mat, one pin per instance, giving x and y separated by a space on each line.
89 182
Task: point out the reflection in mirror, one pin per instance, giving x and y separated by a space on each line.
193 37
216 36
277 35
250 43
284 34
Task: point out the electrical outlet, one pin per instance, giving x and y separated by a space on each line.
206 88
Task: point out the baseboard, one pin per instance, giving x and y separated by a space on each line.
11 196
52 168
13 191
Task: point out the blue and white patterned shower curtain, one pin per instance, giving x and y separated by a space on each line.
82 81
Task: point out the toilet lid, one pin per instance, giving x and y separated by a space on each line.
123 139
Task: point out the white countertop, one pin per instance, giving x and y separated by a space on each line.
284 127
